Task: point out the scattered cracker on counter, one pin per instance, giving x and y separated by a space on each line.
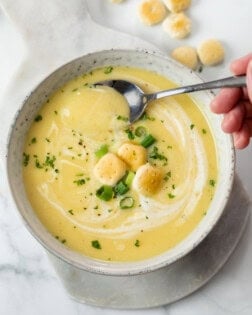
176 6
177 25
211 52
186 55
152 11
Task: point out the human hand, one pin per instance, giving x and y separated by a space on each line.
236 105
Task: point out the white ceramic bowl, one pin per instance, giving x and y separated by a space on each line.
164 66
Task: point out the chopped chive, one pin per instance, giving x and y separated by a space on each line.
126 203
105 192
140 131
108 69
101 151
204 131
96 244
148 141
74 90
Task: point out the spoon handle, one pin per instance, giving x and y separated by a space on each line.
235 81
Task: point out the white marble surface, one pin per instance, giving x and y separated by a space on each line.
37 37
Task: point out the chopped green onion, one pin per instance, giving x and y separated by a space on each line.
148 141
129 178
140 131
102 151
126 203
105 192
121 188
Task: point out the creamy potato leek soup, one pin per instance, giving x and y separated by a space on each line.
115 191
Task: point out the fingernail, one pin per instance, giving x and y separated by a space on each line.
249 80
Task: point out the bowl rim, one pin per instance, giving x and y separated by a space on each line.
81 261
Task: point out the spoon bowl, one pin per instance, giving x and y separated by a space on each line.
138 100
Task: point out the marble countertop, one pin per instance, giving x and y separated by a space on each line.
32 45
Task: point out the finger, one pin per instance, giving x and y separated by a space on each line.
225 100
242 137
249 80
248 108
239 66
249 124
233 120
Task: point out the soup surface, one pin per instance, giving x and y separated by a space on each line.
115 191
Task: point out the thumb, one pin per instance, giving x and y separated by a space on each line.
249 80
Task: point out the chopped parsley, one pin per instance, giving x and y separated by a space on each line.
137 243
71 211
212 182
33 140
26 159
38 118
79 182
204 131
119 117
108 69
192 126
49 161
171 196
167 176
96 244
130 133
154 154
145 116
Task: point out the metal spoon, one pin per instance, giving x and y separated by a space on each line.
138 100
